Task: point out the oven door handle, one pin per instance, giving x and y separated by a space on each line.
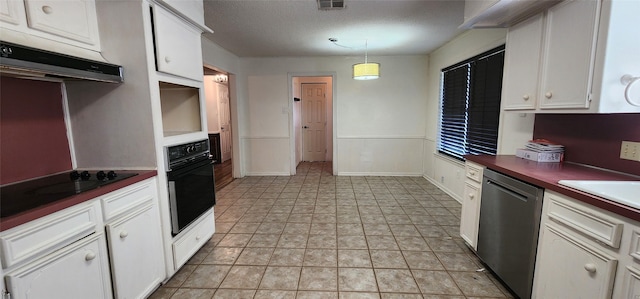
173 206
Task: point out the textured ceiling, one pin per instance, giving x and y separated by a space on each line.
277 28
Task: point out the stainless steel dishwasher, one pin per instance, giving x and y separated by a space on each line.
508 234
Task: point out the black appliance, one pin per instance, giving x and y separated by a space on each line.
24 196
27 61
190 182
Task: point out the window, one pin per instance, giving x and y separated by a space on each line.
470 105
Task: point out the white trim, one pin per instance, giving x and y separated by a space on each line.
67 124
443 188
382 137
267 174
347 173
263 137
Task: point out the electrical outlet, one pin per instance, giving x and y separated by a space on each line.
630 150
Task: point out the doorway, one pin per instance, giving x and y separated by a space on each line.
313 116
216 88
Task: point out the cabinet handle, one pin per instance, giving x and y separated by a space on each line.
591 268
90 255
47 9
471 195
167 59
525 97
472 173
198 238
123 234
548 95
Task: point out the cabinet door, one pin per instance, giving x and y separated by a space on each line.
72 19
522 64
470 215
631 286
570 36
137 260
568 268
78 271
12 11
178 50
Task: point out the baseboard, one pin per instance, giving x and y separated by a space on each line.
443 188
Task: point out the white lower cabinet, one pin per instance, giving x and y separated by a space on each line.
135 247
585 252
470 215
80 270
64 254
568 268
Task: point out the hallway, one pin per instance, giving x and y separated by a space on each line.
314 235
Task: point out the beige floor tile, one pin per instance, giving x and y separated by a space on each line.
352 242
234 294
453 261
435 282
382 242
390 259
275 294
235 240
179 278
281 278
443 245
358 295
264 240
293 241
357 279
377 229
355 258
476 284
316 295
323 241
255 256
287 257
400 296
350 229
396 281
243 277
193 294
422 260
321 258
223 256
297 228
206 276
163 293
404 230
317 278
244 228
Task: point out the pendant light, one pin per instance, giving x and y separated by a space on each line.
366 70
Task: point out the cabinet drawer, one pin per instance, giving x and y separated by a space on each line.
49 233
589 222
474 171
122 201
190 242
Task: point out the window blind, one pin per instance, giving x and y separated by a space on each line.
470 105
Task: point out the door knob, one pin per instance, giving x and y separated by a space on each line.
305 127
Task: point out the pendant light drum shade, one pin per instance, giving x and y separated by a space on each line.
366 71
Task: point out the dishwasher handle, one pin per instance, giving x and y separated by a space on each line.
507 190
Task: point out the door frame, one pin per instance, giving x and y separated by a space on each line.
292 139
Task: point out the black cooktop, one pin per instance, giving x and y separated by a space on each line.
24 196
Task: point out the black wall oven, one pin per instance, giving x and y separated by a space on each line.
190 182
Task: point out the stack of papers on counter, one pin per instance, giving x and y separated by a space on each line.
541 150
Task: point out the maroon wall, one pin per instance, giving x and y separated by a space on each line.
592 139
33 136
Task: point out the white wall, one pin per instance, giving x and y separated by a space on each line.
379 124
515 128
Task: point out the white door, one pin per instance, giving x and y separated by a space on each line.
225 121
314 122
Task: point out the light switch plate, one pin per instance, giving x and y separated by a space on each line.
630 150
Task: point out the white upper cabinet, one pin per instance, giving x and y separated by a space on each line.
520 84
189 9
72 22
178 45
500 13
570 58
569 50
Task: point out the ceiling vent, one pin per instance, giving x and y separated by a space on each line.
330 4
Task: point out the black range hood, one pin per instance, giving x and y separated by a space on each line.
25 61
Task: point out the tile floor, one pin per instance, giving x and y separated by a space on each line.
314 235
